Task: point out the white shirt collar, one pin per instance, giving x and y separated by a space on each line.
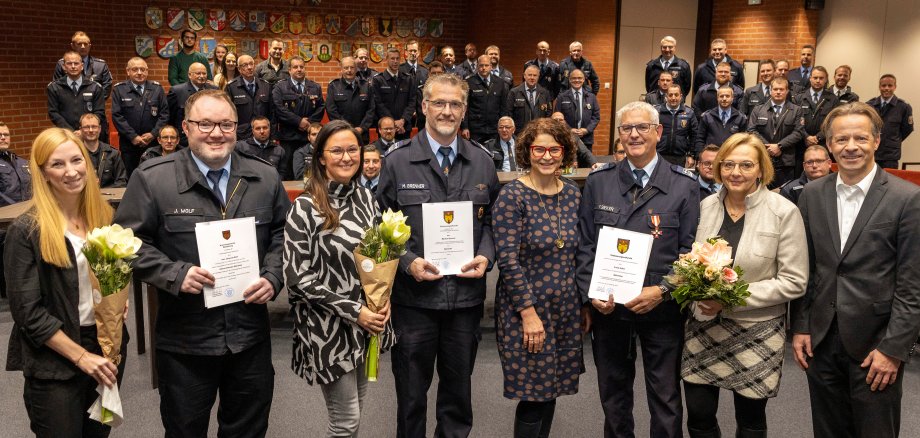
649 168
864 183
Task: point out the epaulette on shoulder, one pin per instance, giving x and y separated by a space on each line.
254 157
99 59
689 173
121 83
160 160
606 166
397 145
157 83
483 147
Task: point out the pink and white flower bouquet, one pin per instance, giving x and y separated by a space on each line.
706 273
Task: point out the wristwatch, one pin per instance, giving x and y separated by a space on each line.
665 292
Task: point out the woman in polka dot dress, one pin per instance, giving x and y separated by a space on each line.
538 311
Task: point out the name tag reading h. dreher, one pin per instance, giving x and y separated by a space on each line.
228 250
448 235
620 264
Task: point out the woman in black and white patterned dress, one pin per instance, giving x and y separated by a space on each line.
332 323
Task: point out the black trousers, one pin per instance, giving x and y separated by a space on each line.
614 343
426 336
842 404
286 165
703 405
189 385
57 408
131 156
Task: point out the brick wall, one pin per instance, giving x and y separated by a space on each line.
775 29
37 34
517 26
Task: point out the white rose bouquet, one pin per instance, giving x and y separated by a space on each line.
706 273
377 259
108 250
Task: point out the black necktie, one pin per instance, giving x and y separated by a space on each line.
252 89
214 177
712 188
578 102
511 165
530 96
724 117
300 87
74 87
667 64
140 89
776 110
369 184
639 173
445 162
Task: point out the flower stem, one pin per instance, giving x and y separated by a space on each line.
373 354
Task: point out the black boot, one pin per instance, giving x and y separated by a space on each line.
523 429
710 433
547 421
744 432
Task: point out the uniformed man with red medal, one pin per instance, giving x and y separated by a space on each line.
647 194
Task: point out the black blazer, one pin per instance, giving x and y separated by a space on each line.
43 299
872 287
519 109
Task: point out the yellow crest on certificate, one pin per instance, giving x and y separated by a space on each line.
622 245
449 216
226 234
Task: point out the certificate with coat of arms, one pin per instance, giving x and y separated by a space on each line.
620 263
448 235
228 250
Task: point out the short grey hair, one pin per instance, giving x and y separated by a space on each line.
638 106
669 39
448 79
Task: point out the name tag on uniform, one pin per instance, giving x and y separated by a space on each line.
241 96
763 118
189 211
413 186
126 99
478 91
609 208
87 95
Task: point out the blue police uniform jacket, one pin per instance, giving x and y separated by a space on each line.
611 198
134 114
412 176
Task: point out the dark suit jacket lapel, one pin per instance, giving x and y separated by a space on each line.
876 192
829 195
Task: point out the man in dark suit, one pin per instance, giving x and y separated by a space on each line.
780 125
139 111
363 71
679 125
351 98
816 103
437 316
630 196
668 62
494 54
799 77
899 121
529 100
760 92
717 124
395 94
857 324
548 71
468 67
94 69
707 96
706 71
487 100
659 96
502 146
201 351
297 103
179 94
251 95
580 108
705 175
841 87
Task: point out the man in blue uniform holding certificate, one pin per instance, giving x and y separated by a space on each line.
644 194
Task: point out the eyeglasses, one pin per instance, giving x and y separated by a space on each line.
206 126
441 104
540 151
353 151
706 164
89 127
744 166
642 128
815 162
169 137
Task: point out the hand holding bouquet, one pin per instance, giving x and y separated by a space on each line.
108 250
377 259
706 273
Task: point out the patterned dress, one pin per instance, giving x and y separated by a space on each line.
323 286
534 272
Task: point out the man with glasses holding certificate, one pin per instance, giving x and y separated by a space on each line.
435 315
644 194
205 350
